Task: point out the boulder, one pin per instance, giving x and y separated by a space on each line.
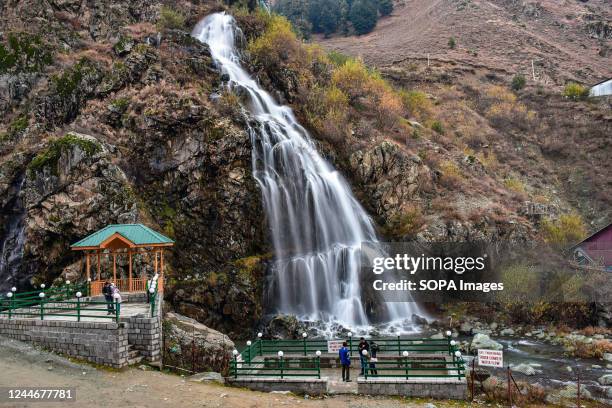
524 369
189 341
206 377
605 379
507 332
483 341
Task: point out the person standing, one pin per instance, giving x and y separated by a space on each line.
373 359
363 345
345 361
107 291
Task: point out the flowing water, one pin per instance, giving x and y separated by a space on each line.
317 226
11 247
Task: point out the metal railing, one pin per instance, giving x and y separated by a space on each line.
408 368
385 345
78 308
446 361
62 301
282 368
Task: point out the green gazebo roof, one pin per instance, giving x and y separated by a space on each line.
137 234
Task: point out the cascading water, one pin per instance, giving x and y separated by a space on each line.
317 226
11 248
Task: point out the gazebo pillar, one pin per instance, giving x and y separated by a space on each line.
130 270
87 265
99 275
115 268
161 275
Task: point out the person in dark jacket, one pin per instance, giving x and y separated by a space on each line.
345 361
373 359
107 291
363 345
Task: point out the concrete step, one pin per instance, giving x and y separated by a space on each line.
135 360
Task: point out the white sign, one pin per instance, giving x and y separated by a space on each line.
491 358
334 346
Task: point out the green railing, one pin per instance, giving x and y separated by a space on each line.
408 368
394 345
65 291
302 367
59 301
449 364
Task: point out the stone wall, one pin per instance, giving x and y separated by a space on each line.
441 388
144 332
310 386
102 343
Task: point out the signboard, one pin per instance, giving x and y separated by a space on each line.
491 358
334 346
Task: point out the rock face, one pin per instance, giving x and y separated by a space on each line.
67 189
195 346
150 146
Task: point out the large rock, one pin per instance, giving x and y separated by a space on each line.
483 341
605 379
524 369
191 344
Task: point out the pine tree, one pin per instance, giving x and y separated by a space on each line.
385 7
363 16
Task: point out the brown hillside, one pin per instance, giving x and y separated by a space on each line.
565 39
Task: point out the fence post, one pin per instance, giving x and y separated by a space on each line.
472 377
406 366
281 367
578 385
11 306
117 310
509 388
260 349
42 308
153 305
235 366
78 309
350 344
399 346
304 340
318 367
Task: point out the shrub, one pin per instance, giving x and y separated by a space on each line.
515 185
169 18
276 45
568 229
452 43
576 91
518 82
417 103
451 174
437 127
385 7
337 58
363 16
408 223
24 53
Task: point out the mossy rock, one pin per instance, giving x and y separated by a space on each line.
50 156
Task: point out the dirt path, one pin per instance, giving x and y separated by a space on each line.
24 366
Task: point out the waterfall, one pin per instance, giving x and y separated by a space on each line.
317 226
11 247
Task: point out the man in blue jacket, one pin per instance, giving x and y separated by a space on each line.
345 360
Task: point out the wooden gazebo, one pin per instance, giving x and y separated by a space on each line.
128 240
